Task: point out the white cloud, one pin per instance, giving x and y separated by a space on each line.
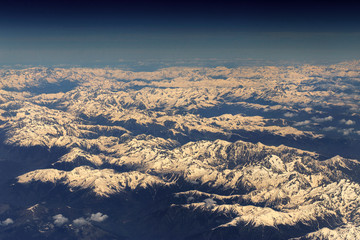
303 123
98 217
6 222
80 222
350 122
209 203
289 114
329 128
59 220
347 122
325 119
346 131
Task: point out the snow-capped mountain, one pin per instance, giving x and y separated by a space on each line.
180 153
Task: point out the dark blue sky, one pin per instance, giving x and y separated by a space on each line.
90 32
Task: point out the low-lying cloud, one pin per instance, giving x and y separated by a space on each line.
329 128
325 119
80 222
346 131
6 222
95 217
290 115
303 123
347 122
59 220
209 202
98 217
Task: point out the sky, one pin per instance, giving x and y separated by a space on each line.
110 32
